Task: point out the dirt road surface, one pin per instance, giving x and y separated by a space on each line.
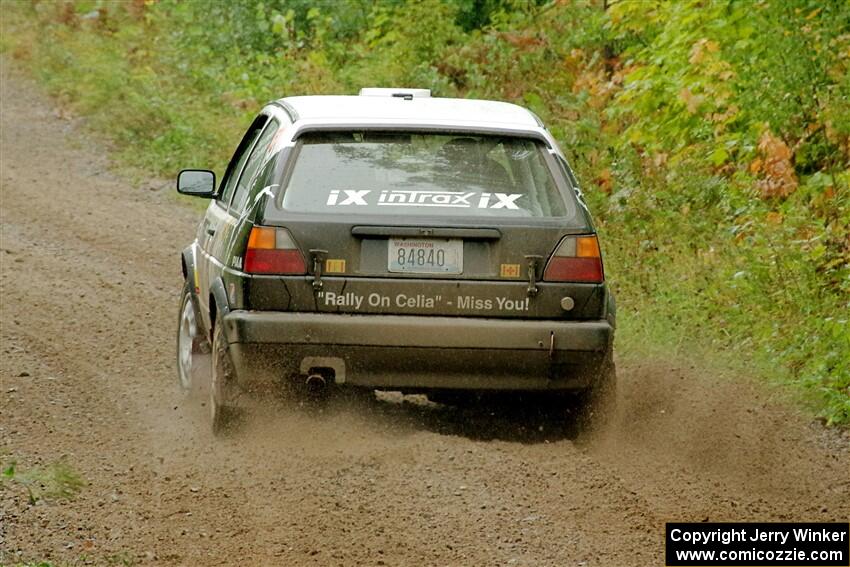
90 284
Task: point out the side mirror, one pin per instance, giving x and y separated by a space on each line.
197 183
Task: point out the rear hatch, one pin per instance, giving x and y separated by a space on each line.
429 224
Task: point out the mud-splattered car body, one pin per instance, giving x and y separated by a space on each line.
393 240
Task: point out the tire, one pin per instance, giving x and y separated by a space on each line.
225 410
192 346
599 402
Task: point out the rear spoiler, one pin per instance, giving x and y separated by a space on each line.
432 128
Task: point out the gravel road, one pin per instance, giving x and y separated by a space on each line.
89 288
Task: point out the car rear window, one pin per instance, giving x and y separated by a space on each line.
396 173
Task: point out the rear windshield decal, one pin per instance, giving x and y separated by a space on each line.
411 198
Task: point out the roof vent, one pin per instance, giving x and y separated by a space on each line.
406 94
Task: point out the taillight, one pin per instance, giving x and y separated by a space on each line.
577 259
273 251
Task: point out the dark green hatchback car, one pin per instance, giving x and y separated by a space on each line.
394 241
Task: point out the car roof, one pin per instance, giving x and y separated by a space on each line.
411 109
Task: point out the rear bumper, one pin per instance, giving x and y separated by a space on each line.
414 352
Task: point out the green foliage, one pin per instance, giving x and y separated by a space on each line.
712 138
56 481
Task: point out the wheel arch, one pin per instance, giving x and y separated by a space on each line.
187 265
219 306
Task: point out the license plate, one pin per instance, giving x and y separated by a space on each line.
425 255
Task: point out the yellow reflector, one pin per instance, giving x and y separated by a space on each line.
587 247
262 238
510 271
335 266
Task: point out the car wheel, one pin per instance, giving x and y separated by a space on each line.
224 391
599 402
192 346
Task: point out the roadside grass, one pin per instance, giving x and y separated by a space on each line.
124 108
123 560
51 482
700 258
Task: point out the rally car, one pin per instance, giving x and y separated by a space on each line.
394 241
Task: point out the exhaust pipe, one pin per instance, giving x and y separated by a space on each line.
315 382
